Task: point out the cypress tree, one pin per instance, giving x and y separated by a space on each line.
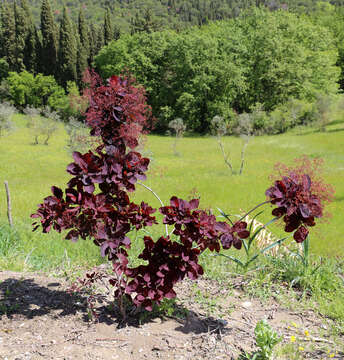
2 51
83 30
116 32
38 47
67 51
100 40
83 45
108 31
135 24
92 35
21 31
144 22
31 46
49 41
8 35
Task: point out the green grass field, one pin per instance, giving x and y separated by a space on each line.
32 169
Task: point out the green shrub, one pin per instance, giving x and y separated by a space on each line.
6 112
25 89
78 136
279 121
41 123
259 118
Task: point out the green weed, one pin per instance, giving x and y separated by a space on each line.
266 339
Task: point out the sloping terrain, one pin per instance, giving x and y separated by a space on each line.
40 320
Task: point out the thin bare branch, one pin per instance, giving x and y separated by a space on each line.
9 207
156 195
225 157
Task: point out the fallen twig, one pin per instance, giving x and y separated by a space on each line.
311 338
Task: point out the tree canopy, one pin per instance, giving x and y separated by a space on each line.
261 57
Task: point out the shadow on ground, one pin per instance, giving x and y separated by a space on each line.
27 298
24 297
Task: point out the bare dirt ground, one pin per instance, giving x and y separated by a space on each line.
40 320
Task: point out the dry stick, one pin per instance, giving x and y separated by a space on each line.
311 338
156 195
225 157
28 256
9 208
243 157
175 145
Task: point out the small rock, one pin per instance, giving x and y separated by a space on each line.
236 293
157 320
246 304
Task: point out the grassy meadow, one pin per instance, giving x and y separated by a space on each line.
199 168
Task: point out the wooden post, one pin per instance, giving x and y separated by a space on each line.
9 208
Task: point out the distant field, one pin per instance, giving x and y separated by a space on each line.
31 170
201 167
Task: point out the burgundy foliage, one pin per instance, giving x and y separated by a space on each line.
96 204
234 235
314 168
300 194
296 204
168 263
198 227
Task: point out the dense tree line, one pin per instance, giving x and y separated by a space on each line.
63 42
63 49
231 66
166 13
259 53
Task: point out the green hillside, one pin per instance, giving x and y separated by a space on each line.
167 13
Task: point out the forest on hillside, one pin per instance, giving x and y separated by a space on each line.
167 13
196 59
